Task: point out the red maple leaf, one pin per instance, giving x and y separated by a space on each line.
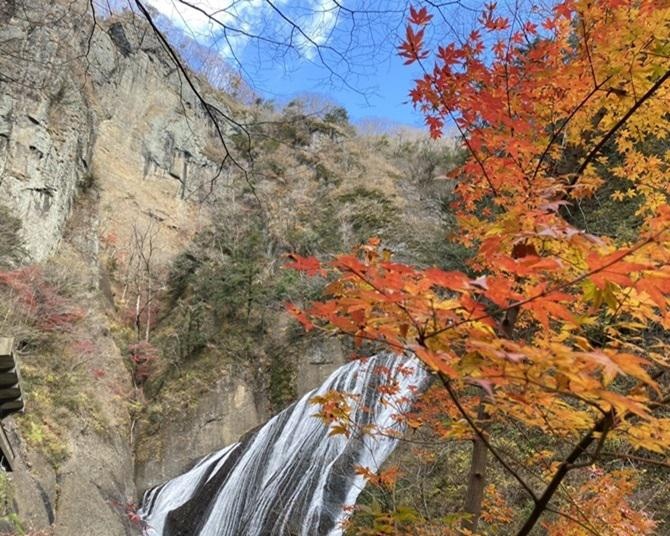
419 16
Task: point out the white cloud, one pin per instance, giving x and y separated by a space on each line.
189 19
253 17
323 22
319 26
242 15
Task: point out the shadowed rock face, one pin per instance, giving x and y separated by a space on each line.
118 35
7 10
290 477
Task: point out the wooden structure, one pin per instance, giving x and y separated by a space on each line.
11 399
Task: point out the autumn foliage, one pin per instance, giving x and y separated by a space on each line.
38 301
559 328
144 357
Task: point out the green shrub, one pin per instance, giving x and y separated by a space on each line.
220 282
369 211
8 517
337 116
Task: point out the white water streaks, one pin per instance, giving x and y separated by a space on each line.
290 477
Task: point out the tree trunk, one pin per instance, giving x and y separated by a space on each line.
147 329
477 478
138 321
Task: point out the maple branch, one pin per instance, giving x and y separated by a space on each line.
590 157
588 529
461 132
472 151
507 88
592 459
542 504
565 122
550 389
588 51
480 434
634 458
538 474
599 431
400 306
551 290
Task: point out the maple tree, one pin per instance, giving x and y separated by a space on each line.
557 327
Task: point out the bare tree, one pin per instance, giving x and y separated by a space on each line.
141 278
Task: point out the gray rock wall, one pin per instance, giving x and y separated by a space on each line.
105 106
222 415
46 127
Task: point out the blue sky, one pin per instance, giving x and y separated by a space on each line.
382 94
362 71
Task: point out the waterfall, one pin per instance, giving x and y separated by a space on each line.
290 477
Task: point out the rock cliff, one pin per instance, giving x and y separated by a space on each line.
86 104
97 136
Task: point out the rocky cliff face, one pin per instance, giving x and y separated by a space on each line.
46 127
96 137
84 104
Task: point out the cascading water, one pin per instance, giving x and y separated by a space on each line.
290 477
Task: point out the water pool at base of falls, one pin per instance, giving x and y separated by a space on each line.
290 477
